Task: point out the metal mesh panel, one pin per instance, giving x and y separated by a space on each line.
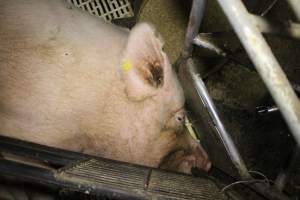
106 9
137 182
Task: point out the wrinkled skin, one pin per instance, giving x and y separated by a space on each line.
72 81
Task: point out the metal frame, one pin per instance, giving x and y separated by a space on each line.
265 63
285 175
71 171
295 6
267 66
221 130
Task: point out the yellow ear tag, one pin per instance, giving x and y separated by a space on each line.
126 65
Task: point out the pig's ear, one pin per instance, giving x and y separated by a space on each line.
143 64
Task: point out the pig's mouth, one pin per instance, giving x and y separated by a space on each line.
184 161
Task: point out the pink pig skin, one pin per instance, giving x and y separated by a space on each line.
62 84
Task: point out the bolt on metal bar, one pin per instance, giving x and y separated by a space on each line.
265 63
221 130
196 16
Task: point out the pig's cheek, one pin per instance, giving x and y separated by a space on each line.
174 124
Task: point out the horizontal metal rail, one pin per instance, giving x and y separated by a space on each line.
290 29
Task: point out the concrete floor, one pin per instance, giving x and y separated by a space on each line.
170 20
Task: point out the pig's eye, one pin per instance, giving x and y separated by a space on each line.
180 116
179 119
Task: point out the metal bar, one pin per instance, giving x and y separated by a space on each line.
267 10
268 191
49 178
196 16
295 6
290 29
221 130
284 176
265 62
27 172
201 42
39 152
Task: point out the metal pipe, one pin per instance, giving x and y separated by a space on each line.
268 191
295 6
265 62
201 42
290 29
221 130
196 16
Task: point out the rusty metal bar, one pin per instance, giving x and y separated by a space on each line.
265 63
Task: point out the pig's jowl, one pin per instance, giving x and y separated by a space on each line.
72 81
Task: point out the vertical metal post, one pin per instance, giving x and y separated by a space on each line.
265 63
186 62
284 176
196 16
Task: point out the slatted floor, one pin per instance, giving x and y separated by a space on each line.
138 182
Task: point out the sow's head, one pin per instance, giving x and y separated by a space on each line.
150 79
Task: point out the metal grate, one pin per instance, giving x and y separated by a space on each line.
106 9
136 182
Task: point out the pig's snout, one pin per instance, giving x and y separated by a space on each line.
198 158
202 158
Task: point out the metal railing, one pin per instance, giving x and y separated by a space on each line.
249 29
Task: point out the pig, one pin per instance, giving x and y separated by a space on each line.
72 81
